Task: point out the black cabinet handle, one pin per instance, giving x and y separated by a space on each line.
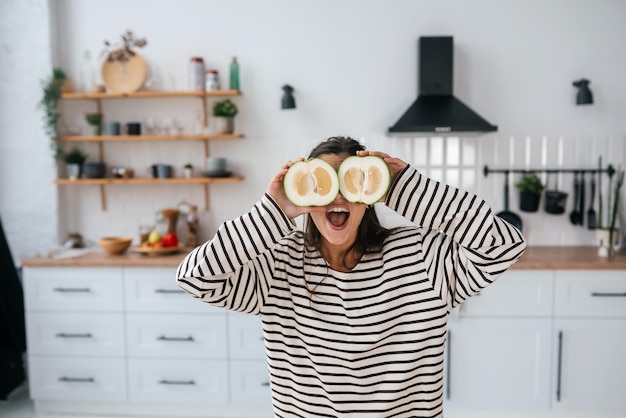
70 335
176 382
558 367
77 379
609 294
165 338
72 289
169 291
266 383
448 364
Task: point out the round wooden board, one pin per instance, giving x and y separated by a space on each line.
125 77
157 251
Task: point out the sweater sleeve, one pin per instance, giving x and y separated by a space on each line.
234 269
465 246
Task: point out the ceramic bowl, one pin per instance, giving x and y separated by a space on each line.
115 245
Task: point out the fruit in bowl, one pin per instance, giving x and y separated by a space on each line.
115 245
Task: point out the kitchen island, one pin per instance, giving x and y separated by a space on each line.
115 335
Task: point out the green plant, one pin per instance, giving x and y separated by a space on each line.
188 165
224 108
75 156
49 104
124 51
530 183
94 118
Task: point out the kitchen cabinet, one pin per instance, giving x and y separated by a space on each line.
499 346
590 342
103 139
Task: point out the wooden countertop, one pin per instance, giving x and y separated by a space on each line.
535 258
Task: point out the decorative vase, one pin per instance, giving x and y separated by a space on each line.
607 241
224 125
73 171
529 202
125 76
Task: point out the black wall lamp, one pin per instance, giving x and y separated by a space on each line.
288 101
584 95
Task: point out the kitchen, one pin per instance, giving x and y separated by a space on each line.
514 65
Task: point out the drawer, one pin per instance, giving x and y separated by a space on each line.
77 378
250 383
588 293
184 381
516 293
245 337
177 336
87 334
155 290
73 289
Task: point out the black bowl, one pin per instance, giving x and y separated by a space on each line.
94 170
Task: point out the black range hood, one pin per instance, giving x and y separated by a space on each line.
436 110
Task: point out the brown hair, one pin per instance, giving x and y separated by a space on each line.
371 233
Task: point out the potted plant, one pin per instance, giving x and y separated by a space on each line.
74 162
188 170
52 88
224 112
95 123
530 189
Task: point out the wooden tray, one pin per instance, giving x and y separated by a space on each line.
157 251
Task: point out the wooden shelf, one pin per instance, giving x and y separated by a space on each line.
149 94
119 138
205 181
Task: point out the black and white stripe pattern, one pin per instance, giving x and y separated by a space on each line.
368 343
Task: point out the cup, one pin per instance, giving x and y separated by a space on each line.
112 128
215 165
161 171
133 128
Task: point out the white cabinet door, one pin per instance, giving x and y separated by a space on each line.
249 383
73 289
155 290
245 337
177 336
67 334
590 365
498 363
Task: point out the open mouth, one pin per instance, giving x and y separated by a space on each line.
337 216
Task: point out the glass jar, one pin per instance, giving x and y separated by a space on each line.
196 74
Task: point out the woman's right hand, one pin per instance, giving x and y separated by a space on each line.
276 189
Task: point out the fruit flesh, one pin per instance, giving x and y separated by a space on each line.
311 183
364 179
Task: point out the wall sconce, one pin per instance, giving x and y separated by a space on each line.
584 95
288 101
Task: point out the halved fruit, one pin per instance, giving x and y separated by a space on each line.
311 183
364 179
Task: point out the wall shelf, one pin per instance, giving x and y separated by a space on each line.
149 94
122 138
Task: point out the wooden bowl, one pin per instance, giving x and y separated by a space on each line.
115 245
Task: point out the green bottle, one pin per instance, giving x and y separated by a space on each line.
234 74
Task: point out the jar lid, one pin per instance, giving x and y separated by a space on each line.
197 59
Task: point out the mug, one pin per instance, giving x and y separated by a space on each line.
133 128
112 128
161 171
216 165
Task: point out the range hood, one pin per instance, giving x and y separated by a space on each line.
436 109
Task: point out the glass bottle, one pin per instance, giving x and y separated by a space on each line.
234 74
86 76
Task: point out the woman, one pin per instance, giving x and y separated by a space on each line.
354 315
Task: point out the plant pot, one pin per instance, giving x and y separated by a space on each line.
529 202
73 171
603 238
555 201
95 130
188 172
224 125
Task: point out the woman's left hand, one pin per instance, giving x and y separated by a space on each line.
395 165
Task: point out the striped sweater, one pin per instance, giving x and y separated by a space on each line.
370 342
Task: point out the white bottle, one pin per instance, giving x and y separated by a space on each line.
86 76
196 74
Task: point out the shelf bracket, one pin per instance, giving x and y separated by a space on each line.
206 196
103 198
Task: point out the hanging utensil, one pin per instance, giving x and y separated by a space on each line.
591 212
573 216
581 203
506 214
555 199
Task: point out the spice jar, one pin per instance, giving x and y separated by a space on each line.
212 81
196 74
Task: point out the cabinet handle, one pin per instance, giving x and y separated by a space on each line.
67 335
176 382
72 289
169 291
77 379
608 294
266 383
448 364
558 367
164 338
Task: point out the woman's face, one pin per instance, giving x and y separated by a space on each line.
339 224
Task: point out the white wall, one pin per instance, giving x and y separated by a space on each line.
353 65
